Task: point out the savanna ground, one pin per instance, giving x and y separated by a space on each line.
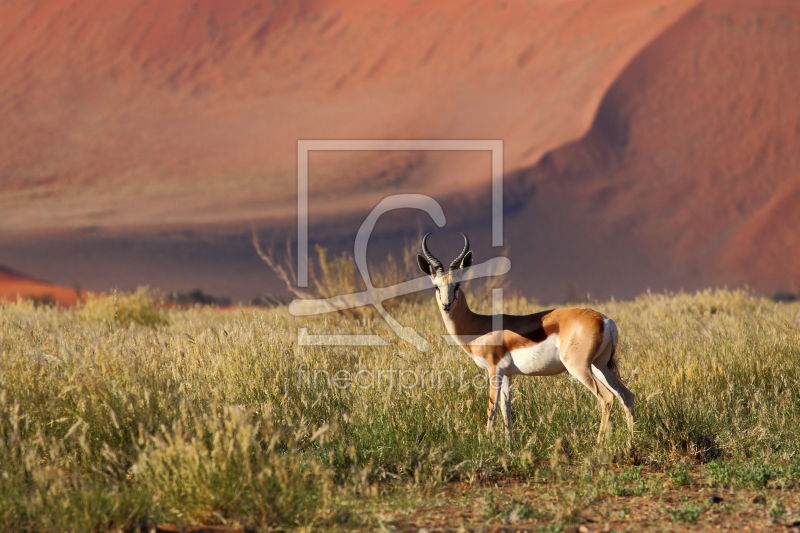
120 414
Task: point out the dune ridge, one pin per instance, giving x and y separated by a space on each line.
647 144
693 157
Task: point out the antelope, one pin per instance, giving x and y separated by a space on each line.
575 340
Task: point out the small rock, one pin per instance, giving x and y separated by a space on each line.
714 499
759 499
583 529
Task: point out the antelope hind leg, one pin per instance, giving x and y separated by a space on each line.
505 404
603 395
606 377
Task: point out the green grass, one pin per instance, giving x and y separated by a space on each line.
626 483
679 476
754 474
121 413
687 512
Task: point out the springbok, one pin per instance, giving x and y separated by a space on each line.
579 341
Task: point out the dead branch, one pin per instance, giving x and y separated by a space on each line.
279 270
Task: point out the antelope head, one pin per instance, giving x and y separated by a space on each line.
448 283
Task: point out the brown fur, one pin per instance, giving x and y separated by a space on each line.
580 333
580 343
583 328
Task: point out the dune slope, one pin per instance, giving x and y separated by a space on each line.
144 114
694 156
647 144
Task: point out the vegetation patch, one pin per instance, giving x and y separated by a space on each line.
122 413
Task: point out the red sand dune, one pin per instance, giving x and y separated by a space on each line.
655 142
131 113
14 286
694 156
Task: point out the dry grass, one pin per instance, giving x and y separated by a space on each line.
120 413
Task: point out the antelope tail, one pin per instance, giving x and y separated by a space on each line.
612 363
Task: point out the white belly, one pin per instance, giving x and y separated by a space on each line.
544 359
480 361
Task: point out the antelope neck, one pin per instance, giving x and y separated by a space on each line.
460 320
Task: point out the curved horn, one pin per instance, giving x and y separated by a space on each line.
457 261
435 263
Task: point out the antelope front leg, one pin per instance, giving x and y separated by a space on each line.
495 385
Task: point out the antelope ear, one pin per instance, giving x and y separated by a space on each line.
424 265
467 261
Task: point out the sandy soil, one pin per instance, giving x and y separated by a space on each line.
461 510
462 507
